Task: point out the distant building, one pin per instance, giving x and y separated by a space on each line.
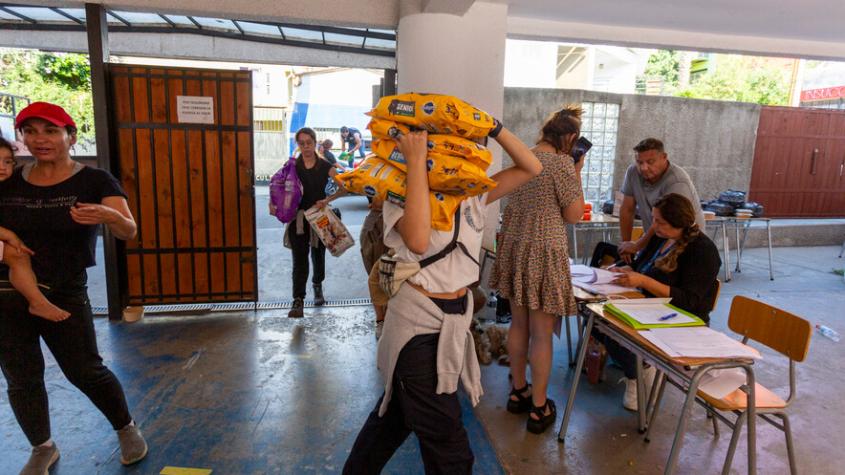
823 85
573 66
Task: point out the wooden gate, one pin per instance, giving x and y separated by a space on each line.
799 163
184 143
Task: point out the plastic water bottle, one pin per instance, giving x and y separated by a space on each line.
828 332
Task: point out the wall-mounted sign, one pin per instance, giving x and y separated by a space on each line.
195 109
824 94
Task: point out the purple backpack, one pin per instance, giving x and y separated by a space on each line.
286 192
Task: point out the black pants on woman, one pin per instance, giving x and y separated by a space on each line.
414 407
72 342
301 248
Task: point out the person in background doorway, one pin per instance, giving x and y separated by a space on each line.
651 177
314 173
352 140
325 150
56 205
426 346
680 262
532 265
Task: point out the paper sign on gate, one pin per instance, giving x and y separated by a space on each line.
195 109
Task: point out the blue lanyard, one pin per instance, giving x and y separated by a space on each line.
657 255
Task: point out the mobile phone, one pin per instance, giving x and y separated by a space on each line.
580 148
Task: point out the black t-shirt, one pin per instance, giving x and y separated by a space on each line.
329 156
40 216
313 181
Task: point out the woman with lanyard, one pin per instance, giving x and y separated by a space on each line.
314 173
680 262
56 206
426 345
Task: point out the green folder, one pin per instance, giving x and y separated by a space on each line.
636 325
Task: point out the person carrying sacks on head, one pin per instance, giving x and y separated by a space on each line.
426 345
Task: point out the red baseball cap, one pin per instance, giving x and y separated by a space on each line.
44 110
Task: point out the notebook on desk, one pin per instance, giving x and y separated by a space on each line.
642 316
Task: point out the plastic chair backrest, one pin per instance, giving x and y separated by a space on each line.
781 331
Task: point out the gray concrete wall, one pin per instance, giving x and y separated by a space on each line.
712 140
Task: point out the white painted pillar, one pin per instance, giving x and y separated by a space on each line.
463 56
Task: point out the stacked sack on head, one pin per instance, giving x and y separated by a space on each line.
457 166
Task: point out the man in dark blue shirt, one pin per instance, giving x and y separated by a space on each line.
351 138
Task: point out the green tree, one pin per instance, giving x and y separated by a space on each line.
72 70
63 79
664 64
739 79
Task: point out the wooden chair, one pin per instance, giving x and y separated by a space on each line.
781 331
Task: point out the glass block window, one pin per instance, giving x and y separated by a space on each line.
599 124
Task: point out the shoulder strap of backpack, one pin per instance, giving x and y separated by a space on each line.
453 244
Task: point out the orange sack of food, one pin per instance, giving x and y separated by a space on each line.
385 130
446 173
437 113
379 179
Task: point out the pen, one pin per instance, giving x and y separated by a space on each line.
667 317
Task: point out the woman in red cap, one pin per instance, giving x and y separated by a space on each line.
55 206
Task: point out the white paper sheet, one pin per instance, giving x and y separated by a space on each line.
653 314
580 270
644 301
602 289
592 275
698 342
718 383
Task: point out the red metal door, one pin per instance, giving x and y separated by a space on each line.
799 163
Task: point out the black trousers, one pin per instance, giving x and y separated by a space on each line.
72 342
414 407
301 248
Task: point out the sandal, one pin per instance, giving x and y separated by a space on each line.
543 421
522 403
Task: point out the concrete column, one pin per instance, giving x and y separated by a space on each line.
463 56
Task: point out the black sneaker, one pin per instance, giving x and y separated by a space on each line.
319 300
296 311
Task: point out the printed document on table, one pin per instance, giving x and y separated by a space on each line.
602 289
698 342
644 301
580 270
592 275
651 314
718 383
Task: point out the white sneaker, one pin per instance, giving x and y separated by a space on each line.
648 377
630 400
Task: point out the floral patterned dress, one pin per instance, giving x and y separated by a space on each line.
532 261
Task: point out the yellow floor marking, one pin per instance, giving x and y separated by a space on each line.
184 471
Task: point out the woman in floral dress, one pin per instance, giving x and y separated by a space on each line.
532 264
